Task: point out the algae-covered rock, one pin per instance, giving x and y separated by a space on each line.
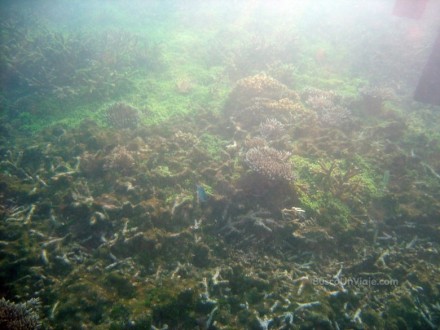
176 311
202 255
120 284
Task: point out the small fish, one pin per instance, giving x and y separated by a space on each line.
44 257
202 196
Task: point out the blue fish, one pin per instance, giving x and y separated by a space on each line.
202 196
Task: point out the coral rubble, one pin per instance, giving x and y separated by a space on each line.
277 207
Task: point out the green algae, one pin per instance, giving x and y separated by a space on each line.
328 190
120 284
213 146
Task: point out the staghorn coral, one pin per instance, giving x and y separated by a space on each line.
122 115
270 162
21 316
311 234
255 225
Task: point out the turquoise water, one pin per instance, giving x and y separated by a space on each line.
217 165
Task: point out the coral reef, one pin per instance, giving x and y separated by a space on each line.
114 234
265 204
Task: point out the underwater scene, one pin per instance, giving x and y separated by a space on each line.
220 164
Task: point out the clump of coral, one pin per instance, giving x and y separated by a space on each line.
270 162
185 139
122 115
119 159
19 316
328 106
260 85
271 128
255 98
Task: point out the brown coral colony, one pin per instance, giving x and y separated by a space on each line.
270 162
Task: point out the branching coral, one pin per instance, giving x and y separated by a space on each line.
271 128
337 180
20 316
270 162
328 106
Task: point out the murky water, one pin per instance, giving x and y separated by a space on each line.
219 165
